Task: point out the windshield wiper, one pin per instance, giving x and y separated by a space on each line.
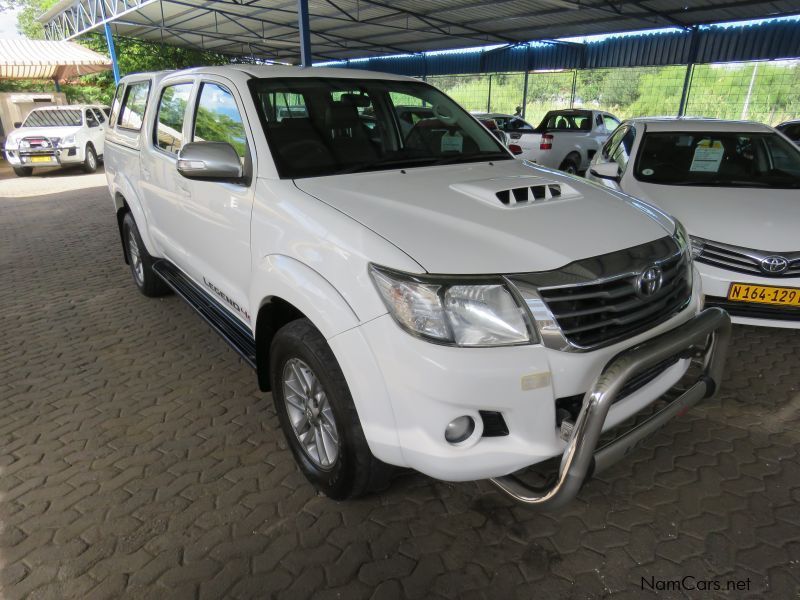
394 162
449 160
422 161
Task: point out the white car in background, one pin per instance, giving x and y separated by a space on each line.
57 136
735 186
565 139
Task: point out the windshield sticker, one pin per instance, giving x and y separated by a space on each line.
707 156
452 143
647 172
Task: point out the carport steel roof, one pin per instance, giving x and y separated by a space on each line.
346 29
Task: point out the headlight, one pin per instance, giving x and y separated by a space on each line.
68 141
458 313
11 144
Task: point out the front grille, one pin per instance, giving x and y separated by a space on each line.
746 260
754 310
601 313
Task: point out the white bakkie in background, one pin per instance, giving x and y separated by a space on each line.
566 139
735 185
57 136
411 295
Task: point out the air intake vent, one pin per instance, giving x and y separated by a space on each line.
529 194
511 192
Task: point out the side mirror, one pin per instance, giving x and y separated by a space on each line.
17 124
210 161
606 170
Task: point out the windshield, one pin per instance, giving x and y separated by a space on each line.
327 126
725 159
54 118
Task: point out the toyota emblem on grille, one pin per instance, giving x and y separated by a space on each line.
774 264
649 281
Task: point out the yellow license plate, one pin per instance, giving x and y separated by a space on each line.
764 294
38 159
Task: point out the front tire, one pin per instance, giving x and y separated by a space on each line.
318 417
141 263
23 171
90 160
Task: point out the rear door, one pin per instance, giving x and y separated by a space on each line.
162 187
215 230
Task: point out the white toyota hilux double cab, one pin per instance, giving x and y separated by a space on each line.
412 297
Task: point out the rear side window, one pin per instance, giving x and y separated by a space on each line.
218 119
133 105
171 113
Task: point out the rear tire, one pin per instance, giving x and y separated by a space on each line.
571 164
90 160
23 171
140 261
318 417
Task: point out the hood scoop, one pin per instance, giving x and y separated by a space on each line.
516 191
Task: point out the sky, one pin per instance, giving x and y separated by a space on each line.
8 24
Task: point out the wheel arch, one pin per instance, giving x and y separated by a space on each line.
122 208
285 289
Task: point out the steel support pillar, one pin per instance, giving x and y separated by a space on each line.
489 98
305 33
687 80
525 93
112 51
574 87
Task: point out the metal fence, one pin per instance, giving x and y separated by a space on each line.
761 91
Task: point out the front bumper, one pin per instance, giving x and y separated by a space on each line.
51 158
709 330
716 283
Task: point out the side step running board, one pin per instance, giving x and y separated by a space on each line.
231 330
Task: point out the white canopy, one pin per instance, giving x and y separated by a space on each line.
39 59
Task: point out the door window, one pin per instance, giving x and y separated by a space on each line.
133 106
171 114
217 118
612 143
91 119
101 118
622 152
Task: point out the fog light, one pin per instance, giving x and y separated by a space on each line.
459 429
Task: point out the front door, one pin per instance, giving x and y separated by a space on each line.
216 232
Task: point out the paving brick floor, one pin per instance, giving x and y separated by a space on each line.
138 459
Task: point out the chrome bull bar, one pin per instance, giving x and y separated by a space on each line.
711 329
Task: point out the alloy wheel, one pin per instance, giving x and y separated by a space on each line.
310 414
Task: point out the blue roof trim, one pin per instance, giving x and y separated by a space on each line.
769 40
